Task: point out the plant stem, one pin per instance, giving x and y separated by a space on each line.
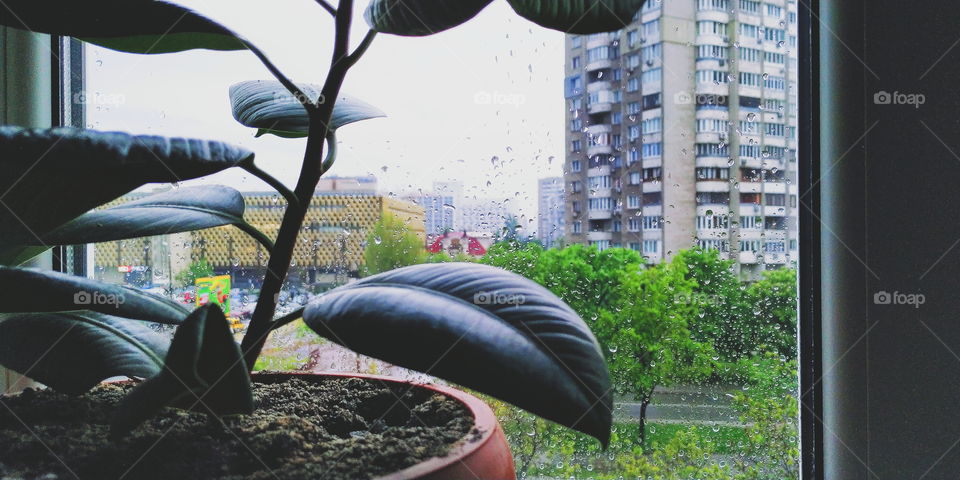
310 172
326 6
273 182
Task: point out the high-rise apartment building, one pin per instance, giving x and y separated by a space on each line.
681 131
550 214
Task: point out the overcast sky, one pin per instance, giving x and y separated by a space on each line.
454 100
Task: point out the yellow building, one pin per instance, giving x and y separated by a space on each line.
332 239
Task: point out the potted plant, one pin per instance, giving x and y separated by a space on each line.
72 333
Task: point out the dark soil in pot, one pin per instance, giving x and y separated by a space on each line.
347 428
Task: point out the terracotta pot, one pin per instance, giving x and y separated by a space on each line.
487 457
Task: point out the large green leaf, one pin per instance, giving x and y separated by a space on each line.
579 16
481 327
204 370
270 108
51 176
27 290
420 17
73 351
137 26
179 210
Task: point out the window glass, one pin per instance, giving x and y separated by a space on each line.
666 168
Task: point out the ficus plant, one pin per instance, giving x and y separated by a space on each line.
65 332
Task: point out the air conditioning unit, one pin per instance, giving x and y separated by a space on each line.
722 62
643 40
726 39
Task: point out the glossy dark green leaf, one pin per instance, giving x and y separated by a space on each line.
420 17
72 351
479 326
51 176
136 26
27 290
203 370
579 16
271 108
179 210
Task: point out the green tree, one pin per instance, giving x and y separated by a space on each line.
632 310
197 269
391 244
773 302
649 341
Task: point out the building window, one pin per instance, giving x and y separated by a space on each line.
652 173
653 100
652 223
576 146
750 54
577 228
633 201
710 150
633 156
617 226
712 51
713 173
575 63
599 181
576 125
650 30
652 149
750 79
576 41
653 198
711 221
634 178
633 85
712 5
651 246
713 198
633 132
708 27
774 11
776 200
774 83
652 125
633 108
600 204
651 53
576 166
749 31
616 118
633 37
715 77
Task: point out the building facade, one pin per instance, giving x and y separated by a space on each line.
550 211
681 132
331 243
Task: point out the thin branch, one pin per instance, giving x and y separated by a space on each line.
257 235
288 318
326 6
362 48
273 182
286 82
331 152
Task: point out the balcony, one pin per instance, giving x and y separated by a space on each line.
600 214
599 107
593 150
599 64
599 128
715 185
599 236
